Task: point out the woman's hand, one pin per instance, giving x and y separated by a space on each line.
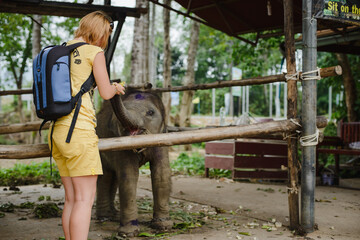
119 88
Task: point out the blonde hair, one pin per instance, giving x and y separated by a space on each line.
95 28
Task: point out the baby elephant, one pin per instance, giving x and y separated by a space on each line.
133 114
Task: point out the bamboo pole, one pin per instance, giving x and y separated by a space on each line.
325 72
308 169
293 194
165 139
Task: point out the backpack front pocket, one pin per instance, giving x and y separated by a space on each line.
60 77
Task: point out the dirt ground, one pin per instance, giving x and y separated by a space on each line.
217 209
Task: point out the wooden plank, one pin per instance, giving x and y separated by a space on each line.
331 141
259 162
260 148
219 162
65 9
221 148
260 174
350 132
339 151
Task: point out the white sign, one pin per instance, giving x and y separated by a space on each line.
174 98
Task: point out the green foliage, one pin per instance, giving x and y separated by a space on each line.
7 207
27 205
213 56
6 141
126 72
219 173
339 108
191 165
195 165
257 60
177 66
205 100
330 129
22 174
15 45
47 210
326 160
199 145
215 53
56 30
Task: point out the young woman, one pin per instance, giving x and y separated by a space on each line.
79 161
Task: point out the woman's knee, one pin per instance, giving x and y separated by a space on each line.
88 202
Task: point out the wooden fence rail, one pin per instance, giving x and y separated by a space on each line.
324 72
165 139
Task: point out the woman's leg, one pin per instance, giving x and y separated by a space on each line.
68 206
84 192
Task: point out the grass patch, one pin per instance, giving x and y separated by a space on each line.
194 164
27 174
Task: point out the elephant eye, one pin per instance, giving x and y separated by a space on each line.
150 112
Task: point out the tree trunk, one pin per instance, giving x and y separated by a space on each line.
166 97
36 35
36 48
349 85
152 49
140 49
146 40
189 79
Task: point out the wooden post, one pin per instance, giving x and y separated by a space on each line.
293 193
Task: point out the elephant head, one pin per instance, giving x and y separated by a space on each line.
139 113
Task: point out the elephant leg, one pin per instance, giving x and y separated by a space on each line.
161 187
106 191
128 175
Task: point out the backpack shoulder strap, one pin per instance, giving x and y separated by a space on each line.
85 87
71 47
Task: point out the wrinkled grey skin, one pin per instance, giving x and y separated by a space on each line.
140 113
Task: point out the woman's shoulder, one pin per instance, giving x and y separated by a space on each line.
87 46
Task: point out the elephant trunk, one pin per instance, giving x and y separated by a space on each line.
124 116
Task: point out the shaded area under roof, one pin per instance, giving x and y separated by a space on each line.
346 41
266 18
236 17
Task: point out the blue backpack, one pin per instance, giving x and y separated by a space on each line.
52 85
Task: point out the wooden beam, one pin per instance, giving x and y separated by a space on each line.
34 126
146 87
22 127
65 9
164 139
293 185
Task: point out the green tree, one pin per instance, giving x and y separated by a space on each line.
15 48
213 56
339 108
